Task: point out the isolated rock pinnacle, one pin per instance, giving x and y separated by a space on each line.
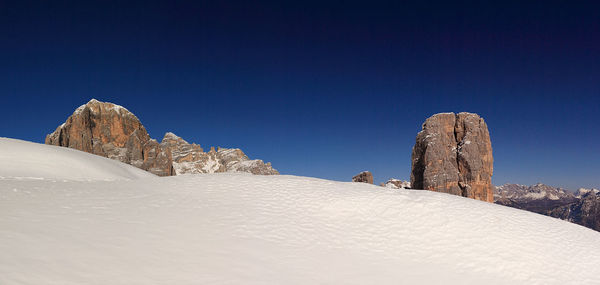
453 154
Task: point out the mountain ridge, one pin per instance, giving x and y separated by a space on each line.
112 131
581 207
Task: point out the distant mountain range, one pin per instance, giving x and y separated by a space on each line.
581 207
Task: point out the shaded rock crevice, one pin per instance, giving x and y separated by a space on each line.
458 142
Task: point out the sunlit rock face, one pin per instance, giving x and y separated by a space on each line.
112 131
453 154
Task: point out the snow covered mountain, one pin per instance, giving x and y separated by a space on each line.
237 228
110 130
538 191
582 208
584 211
584 191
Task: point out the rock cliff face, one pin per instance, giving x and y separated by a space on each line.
453 154
112 131
364 177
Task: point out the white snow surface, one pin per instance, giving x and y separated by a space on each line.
234 228
26 160
238 228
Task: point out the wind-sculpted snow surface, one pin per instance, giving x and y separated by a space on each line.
26 160
245 229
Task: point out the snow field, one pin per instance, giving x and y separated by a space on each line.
246 229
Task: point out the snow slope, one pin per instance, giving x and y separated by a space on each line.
245 229
26 160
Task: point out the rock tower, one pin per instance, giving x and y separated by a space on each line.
453 154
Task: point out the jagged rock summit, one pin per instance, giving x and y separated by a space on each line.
112 131
583 191
190 158
364 177
453 154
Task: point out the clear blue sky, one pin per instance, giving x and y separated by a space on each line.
323 88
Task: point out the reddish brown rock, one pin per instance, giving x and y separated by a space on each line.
453 154
112 131
364 177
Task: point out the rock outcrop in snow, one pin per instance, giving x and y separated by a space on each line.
191 159
112 131
453 154
396 184
364 177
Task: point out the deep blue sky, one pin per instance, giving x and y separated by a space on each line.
322 89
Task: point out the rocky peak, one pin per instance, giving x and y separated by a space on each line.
169 136
180 149
112 131
97 122
235 160
453 154
584 191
